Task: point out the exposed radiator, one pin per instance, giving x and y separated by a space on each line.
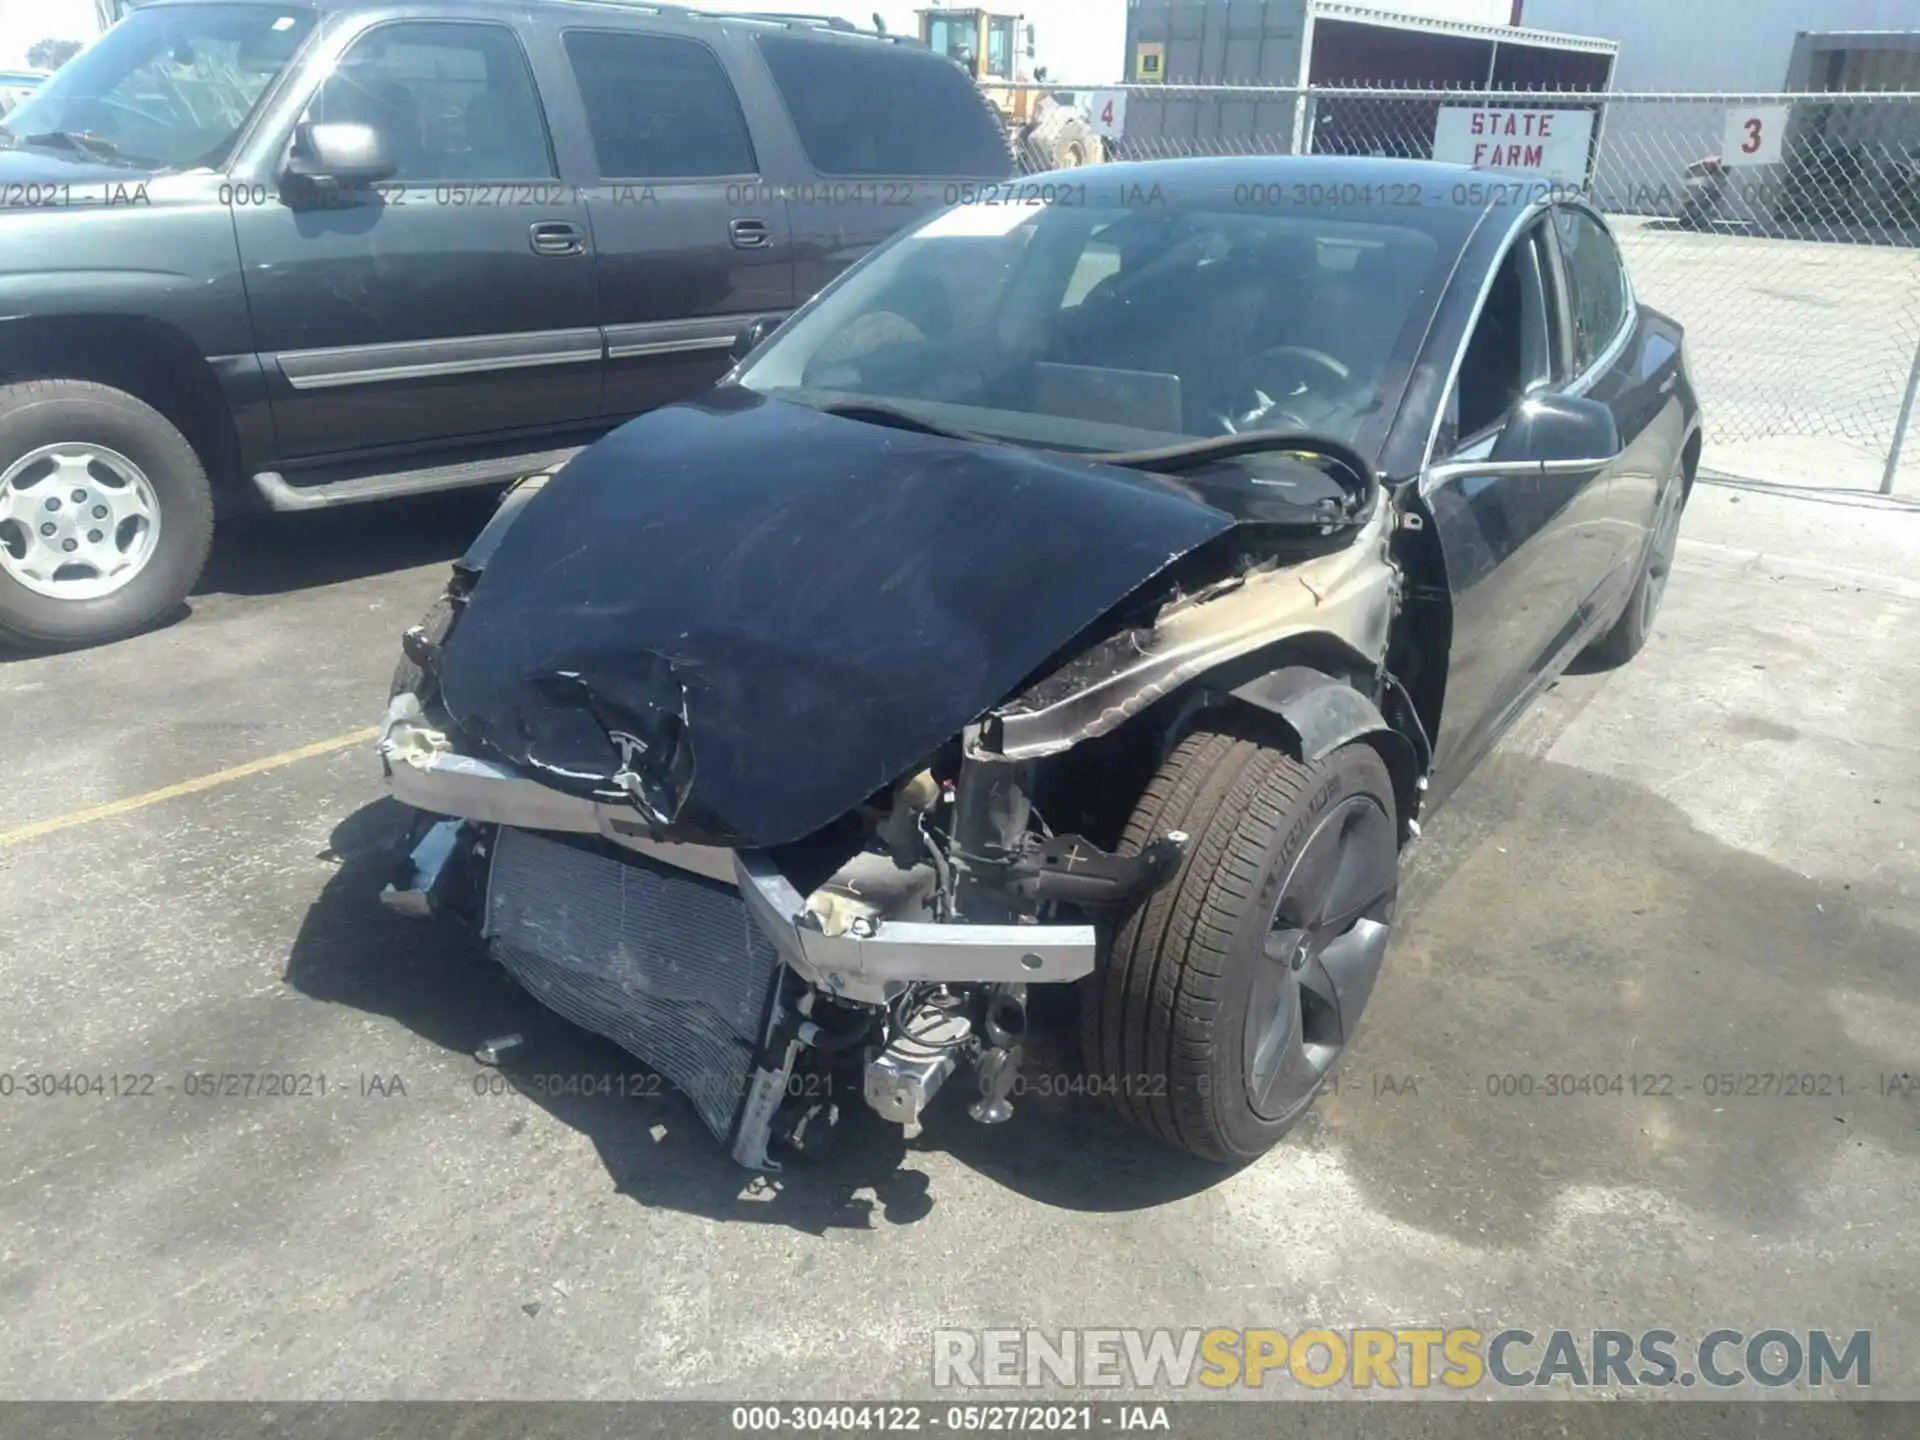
664 963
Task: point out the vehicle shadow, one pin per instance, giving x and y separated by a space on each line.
434 979
1656 1010
1764 1016
280 554
283 554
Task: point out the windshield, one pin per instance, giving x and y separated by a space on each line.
167 87
1124 327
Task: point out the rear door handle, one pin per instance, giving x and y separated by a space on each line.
556 237
750 234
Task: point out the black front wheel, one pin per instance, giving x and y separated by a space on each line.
1226 1000
1630 632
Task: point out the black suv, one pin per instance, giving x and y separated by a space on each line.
292 255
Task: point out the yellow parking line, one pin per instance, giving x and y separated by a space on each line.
184 787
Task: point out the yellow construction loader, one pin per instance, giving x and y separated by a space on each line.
1045 127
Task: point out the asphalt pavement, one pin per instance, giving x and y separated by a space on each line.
1700 869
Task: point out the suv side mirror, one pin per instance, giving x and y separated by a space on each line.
338 155
1559 428
753 336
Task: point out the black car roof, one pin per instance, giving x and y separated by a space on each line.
1450 203
1361 183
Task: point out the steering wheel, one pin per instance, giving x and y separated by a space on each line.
1319 359
1301 366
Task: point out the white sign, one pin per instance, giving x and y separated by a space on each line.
1552 143
1106 112
1754 135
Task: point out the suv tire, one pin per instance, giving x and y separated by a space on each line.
71 452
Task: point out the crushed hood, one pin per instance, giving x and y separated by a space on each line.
745 617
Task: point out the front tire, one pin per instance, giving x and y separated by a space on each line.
106 516
1227 998
1630 632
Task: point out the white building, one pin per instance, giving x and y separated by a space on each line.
1849 157
1748 45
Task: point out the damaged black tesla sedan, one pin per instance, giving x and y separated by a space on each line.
1092 588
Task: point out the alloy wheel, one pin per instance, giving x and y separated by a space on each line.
1666 540
77 521
1323 948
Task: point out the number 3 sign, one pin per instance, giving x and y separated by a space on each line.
1754 136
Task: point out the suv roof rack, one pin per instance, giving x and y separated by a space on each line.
791 17
792 20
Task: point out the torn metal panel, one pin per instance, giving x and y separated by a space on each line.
1351 595
742 617
870 962
422 771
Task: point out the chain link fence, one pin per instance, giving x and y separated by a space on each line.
1782 230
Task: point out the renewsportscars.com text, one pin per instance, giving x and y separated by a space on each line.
1392 1359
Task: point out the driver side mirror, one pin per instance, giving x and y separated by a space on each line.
337 155
1559 428
1546 434
753 336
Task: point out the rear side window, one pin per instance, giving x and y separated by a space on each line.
1596 285
658 108
872 109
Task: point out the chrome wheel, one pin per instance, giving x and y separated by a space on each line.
1322 950
77 521
1666 539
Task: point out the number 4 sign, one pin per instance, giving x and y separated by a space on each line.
1107 113
1754 136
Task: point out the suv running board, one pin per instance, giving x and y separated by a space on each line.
280 495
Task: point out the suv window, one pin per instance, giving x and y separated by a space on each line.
455 101
1596 285
658 107
864 108
171 86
